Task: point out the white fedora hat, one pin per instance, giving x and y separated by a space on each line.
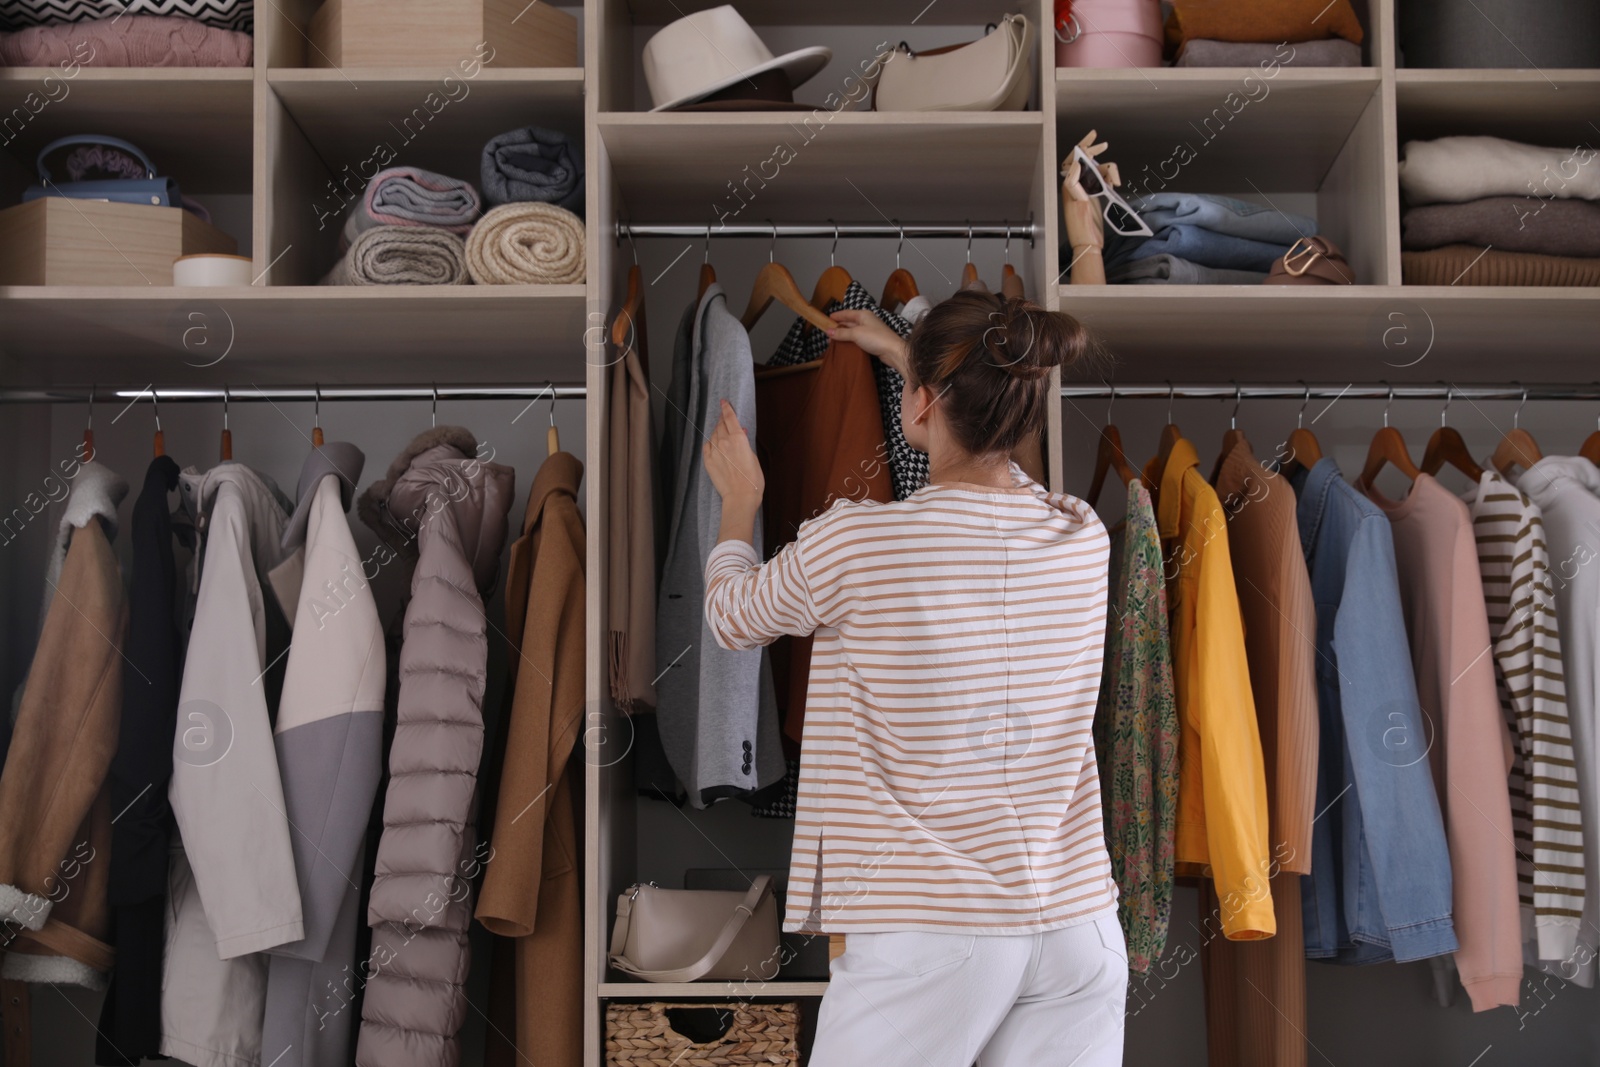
711 50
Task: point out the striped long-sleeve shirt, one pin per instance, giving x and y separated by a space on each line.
948 776
1546 821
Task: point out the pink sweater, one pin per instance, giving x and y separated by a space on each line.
1441 593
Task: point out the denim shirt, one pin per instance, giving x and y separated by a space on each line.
1379 886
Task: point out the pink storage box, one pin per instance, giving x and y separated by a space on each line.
1108 33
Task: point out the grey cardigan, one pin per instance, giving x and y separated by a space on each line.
715 709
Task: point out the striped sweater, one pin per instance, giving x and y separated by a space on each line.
948 776
1546 820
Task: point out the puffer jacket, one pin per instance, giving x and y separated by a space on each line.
55 806
329 735
232 883
446 507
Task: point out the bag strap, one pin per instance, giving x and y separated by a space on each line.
91 138
742 913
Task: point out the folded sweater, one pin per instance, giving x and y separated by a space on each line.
1507 223
1454 169
1174 270
1466 265
1266 21
1333 52
130 41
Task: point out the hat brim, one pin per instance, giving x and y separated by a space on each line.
800 66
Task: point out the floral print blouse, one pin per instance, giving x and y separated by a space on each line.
1136 733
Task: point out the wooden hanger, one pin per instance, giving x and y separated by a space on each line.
1232 436
774 282
316 418
1388 446
552 438
969 273
708 276
1010 281
88 430
834 281
1302 448
1447 447
1170 436
1109 456
1591 445
626 324
1517 448
160 441
901 288
227 434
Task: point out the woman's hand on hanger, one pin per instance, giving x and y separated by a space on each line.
736 473
869 333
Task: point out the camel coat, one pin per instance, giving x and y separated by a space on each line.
531 890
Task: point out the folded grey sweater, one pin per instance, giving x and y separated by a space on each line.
1508 223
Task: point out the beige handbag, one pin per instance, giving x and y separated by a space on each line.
989 74
680 935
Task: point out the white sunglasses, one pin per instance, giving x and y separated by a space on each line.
1124 220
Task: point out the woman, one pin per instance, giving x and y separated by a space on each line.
949 811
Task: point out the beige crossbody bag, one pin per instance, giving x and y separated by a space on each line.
681 935
989 74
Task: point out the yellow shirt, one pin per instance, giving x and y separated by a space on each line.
1222 785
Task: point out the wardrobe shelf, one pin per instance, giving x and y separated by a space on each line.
1556 107
852 166
717 991
1359 332
425 120
208 151
344 334
1241 127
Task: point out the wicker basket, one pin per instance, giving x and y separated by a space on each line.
641 1035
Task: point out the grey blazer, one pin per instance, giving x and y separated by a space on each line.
715 709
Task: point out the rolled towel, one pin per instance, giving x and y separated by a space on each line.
1455 169
1333 52
129 41
1221 214
1466 265
526 244
1509 223
1172 270
411 196
1198 245
533 164
402 255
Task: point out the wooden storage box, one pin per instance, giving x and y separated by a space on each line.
444 33
54 241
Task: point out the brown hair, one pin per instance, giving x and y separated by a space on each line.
989 358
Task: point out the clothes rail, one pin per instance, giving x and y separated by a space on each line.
1327 391
246 394
1027 231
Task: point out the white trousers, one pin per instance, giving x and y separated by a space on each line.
916 999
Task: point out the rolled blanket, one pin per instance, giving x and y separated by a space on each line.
411 196
402 255
1197 245
533 164
131 41
1456 169
1466 265
526 244
1333 52
1220 214
1264 21
1508 223
1171 270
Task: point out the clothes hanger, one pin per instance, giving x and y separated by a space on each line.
435 414
88 430
227 434
160 441
774 282
1109 456
1010 281
708 275
969 273
1446 446
1302 447
901 288
1591 445
1170 436
1517 448
1233 434
1388 446
626 322
834 281
552 438
316 418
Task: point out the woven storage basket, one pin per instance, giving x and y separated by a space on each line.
641 1035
